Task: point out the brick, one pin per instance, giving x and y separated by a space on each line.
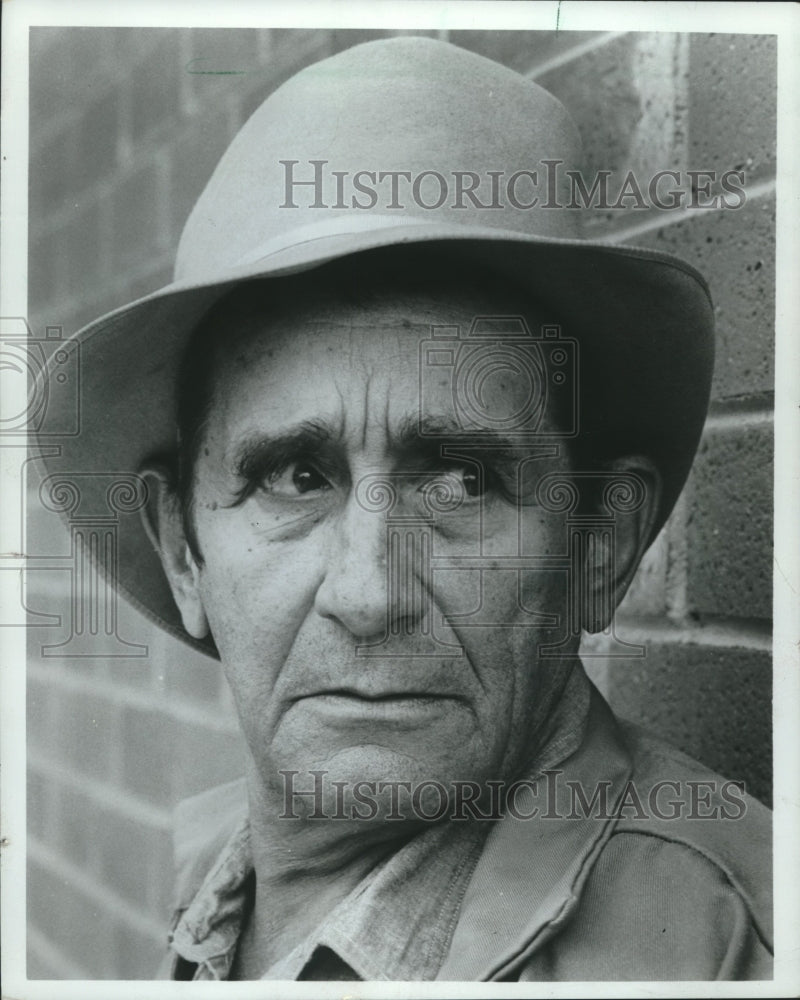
45 267
101 657
87 251
48 289
135 672
155 90
132 672
76 827
128 856
521 50
149 739
282 53
157 274
289 50
50 592
86 734
733 103
161 879
97 136
47 533
167 759
122 655
47 599
68 67
135 861
221 62
729 531
131 46
647 593
41 713
78 312
713 703
346 38
735 251
61 241
192 677
54 167
42 271
137 216
250 99
40 795
39 966
192 160
339 39
228 708
137 956
625 98
73 923
206 758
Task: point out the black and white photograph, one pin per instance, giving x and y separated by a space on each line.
400 499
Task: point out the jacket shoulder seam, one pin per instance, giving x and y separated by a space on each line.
621 830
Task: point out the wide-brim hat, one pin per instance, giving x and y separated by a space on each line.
285 198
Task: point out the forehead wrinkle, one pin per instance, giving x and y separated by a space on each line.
370 398
365 417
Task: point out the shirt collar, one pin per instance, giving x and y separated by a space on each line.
398 923
395 925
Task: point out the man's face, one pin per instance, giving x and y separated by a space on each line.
310 410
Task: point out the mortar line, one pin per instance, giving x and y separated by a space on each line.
130 698
732 633
52 956
108 796
665 219
738 420
581 49
84 883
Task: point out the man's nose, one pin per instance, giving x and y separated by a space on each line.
365 588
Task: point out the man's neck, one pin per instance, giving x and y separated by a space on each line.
303 869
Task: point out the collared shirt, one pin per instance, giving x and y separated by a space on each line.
630 878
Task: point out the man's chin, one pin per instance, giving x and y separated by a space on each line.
367 783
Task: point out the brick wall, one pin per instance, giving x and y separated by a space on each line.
123 138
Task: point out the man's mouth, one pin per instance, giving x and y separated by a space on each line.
387 705
377 696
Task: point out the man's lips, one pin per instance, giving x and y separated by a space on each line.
387 705
386 695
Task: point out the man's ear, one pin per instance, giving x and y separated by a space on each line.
163 522
618 542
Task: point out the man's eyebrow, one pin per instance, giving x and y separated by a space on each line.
308 437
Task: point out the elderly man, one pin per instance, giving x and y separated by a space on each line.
425 433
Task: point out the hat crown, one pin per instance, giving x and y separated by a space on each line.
404 131
642 319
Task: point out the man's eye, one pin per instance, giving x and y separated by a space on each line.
464 481
297 479
472 483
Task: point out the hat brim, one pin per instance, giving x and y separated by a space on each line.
644 322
